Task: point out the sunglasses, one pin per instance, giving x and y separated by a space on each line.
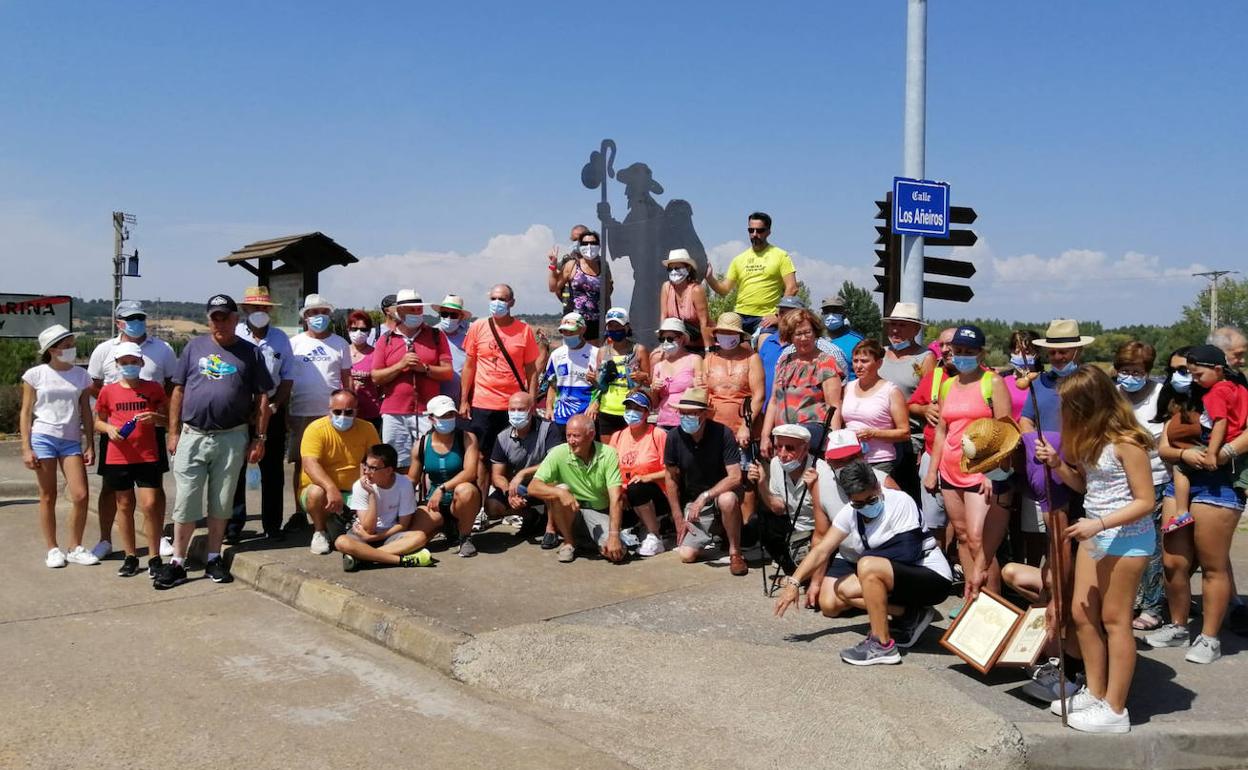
1181 370
668 339
753 230
374 468
342 412
448 314
857 506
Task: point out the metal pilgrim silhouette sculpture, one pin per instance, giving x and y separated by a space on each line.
649 231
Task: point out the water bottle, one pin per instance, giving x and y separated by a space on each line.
128 427
253 476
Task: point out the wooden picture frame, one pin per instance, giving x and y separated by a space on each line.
1027 641
981 630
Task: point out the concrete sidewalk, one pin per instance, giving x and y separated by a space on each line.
682 665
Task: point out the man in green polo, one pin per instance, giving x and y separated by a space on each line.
580 483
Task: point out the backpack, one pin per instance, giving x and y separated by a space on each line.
940 386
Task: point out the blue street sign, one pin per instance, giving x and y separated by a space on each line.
920 207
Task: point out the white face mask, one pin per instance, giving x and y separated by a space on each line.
258 319
358 336
591 250
677 274
68 355
727 341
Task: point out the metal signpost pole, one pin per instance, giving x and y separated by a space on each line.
915 134
119 229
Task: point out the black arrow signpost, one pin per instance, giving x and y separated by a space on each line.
889 257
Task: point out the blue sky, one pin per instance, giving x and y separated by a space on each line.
442 144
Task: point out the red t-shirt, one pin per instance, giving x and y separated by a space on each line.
116 404
495 382
409 391
1228 401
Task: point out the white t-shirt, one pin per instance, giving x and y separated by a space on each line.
56 400
831 496
1145 411
900 515
159 361
317 372
398 500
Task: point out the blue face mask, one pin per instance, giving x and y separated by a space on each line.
900 345
873 510
1131 383
966 364
690 423
1022 362
444 425
131 371
499 308
135 327
449 325
573 341
517 418
413 320
633 416
834 321
1065 370
318 323
342 422
615 335
1181 383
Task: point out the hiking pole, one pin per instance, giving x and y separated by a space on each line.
1056 558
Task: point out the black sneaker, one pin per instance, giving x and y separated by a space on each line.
349 563
297 523
215 570
129 567
170 575
153 566
909 627
234 531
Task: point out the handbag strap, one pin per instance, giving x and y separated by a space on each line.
507 356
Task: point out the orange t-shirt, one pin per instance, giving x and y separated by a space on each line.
495 383
639 457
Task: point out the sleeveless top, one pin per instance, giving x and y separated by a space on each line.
870 411
675 388
586 291
1108 491
962 405
681 306
727 387
443 467
620 368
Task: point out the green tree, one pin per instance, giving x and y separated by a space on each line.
862 312
1193 325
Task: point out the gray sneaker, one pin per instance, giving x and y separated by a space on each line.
466 548
1169 635
869 652
910 626
1205 649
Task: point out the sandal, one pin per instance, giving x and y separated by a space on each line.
1146 621
1177 522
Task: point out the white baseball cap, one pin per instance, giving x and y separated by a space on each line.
123 349
442 406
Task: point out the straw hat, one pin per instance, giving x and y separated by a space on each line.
52 335
316 302
674 325
258 295
408 297
452 302
729 322
987 442
905 311
680 257
693 398
1063 333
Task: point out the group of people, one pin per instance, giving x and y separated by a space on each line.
876 473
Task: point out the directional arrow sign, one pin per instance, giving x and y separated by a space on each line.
960 215
935 290
954 268
956 238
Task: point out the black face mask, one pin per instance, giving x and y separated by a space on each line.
616 334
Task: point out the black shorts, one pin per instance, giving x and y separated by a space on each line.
486 424
913 585
610 423
123 478
644 492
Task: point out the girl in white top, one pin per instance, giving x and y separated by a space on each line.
57 430
1108 451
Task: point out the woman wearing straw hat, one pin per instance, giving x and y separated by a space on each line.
673 369
57 430
733 378
683 297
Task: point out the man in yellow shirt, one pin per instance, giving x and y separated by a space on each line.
762 274
331 451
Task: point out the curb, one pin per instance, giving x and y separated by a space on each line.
19 490
1175 746
411 635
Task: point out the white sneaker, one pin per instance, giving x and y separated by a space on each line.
102 549
1077 702
1169 635
56 559
652 545
166 548
1205 649
1099 718
82 556
481 522
320 543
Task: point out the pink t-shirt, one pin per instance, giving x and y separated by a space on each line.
369 400
1017 397
871 411
962 405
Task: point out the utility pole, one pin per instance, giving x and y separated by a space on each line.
1213 276
914 148
121 233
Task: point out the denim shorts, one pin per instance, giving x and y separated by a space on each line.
1212 489
53 448
1112 542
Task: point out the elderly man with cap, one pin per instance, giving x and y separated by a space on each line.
683 297
257 328
453 320
839 331
159 361
567 370
761 274
322 364
220 397
409 365
788 490
580 482
703 464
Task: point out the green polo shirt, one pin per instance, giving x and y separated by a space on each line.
588 482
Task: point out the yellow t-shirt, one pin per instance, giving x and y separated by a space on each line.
339 452
759 279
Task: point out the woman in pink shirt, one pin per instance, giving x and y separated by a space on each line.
673 369
873 408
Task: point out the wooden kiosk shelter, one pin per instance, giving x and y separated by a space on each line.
301 258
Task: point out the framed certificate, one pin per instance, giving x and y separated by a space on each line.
981 630
1028 639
